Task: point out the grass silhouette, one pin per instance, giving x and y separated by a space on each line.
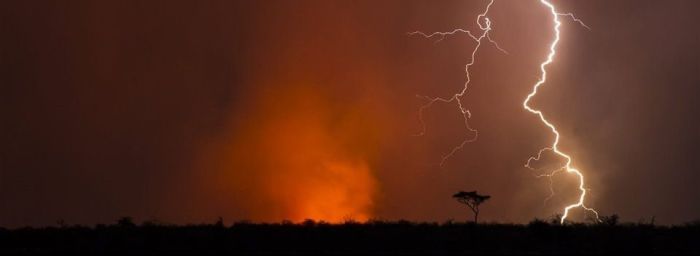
376 237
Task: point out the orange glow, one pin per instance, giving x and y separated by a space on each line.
301 155
331 192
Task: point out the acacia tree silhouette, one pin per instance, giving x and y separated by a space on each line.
471 199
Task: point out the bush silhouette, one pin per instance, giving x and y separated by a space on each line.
126 222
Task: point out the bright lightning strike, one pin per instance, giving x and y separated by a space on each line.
555 145
484 23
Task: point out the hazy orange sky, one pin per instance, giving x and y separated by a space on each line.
185 111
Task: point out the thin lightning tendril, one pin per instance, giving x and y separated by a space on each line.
555 145
484 24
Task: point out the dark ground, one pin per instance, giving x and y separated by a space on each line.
375 237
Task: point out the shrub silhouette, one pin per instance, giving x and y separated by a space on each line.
611 220
126 222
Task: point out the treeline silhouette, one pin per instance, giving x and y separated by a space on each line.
376 237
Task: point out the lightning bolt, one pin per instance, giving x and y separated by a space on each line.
484 23
555 145
485 28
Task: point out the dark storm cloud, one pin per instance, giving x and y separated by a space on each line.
110 107
102 102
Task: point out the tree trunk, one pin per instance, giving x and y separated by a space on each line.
476 217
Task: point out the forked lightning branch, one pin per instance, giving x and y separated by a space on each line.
485 27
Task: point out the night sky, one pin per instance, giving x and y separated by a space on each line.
186 111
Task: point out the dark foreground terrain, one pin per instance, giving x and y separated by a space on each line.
350 238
